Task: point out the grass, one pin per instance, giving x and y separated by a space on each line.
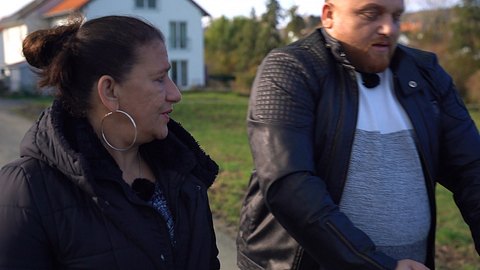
218 122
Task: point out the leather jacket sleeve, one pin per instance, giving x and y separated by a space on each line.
281 133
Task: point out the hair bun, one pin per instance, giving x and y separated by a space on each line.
42 46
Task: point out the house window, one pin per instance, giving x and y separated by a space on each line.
12 40
178 35
179 72
151 4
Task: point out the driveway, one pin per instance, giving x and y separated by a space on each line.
13 127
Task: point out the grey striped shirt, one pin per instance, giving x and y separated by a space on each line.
385 194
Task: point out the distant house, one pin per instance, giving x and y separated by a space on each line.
179 20
411 26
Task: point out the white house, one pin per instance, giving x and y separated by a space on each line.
179 20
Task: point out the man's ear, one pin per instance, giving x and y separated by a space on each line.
327 16
106 92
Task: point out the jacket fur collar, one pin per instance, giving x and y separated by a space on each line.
70 145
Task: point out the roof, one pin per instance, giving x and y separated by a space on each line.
65 7
61 7
204 12
68 6
411 27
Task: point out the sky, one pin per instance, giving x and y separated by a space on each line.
231 8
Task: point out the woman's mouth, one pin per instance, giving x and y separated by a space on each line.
166 114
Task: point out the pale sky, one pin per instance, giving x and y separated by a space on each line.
231 8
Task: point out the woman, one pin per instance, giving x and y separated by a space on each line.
106 180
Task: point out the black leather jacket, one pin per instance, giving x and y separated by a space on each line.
301 124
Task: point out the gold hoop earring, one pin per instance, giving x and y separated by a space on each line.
131 121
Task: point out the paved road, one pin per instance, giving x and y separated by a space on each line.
13 127
12 130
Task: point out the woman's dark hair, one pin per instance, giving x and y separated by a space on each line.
72 57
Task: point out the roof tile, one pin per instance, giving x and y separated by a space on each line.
66 6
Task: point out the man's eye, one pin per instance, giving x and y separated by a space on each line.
370 15
397 18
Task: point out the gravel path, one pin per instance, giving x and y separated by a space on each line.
12 129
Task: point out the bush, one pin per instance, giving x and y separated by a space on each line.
473 88
244 81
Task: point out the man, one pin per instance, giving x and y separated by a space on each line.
350 132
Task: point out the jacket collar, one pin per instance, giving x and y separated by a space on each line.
70 145
406 72
47 141
335 48
180 152
401 65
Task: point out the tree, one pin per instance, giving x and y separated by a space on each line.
296 27
473 86
248 59
218 45
235 48
313 22
269 36
464 56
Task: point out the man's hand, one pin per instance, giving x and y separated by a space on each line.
410 265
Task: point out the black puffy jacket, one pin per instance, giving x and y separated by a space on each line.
301 124
64 205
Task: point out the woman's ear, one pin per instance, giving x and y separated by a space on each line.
106 92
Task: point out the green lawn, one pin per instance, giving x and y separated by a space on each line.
217 121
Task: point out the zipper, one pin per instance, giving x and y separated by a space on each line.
350 246
351 138
428 176
430 185
429 182
298 258
174 206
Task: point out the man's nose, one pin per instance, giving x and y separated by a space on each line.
389 26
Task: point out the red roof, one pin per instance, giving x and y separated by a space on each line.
411 27
66 6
